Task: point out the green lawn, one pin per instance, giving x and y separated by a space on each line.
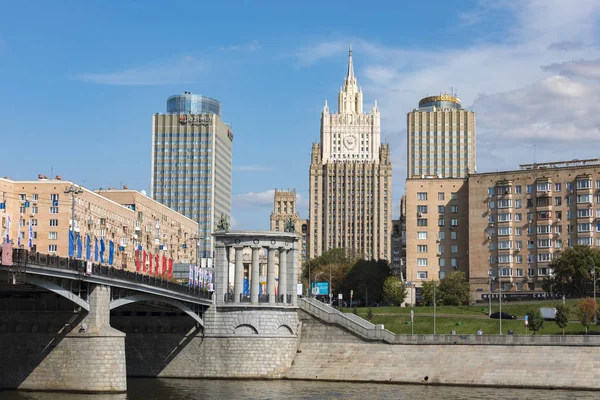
516 308
444 325
468 319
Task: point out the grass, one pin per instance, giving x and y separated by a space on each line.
480 309
471 319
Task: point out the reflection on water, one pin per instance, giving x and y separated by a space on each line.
209 389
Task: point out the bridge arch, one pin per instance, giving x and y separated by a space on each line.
61 291
148 297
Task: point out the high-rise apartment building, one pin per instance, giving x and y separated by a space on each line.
350 192
441 139
191 169
284 209
189 103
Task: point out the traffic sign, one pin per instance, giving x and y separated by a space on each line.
526 320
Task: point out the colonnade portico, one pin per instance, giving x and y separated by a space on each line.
280 285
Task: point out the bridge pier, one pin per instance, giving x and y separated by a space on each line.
83 354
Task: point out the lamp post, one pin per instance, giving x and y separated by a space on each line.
500 300
73 190
434 309
317 277
490 295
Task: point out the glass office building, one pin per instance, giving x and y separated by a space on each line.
191 168
189 103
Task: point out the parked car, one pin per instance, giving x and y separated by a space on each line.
504 315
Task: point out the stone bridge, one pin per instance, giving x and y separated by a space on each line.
67 327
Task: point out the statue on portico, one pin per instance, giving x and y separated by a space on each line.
223 224
289 225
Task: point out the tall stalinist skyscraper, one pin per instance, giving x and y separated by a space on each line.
350 191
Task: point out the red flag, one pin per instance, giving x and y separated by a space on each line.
137 261
144 261
156 264
150 270
170 268
164 268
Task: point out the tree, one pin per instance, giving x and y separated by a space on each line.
535 320
562 317
394 290
572 271
454 289
427 292
335 261
586 310
366 279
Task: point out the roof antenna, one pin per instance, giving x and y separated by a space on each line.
534 153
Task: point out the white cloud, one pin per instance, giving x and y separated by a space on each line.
538 84
251 168
252 46
185 69
254 199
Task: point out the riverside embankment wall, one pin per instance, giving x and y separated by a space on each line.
331 352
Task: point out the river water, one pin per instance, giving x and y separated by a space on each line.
208 389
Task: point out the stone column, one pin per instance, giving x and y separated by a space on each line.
238 282
255 274
292 267
283 290
271 275
221 272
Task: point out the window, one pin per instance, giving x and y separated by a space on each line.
544 187
454 263
544 257
504 244
421 235
518 217
422 209
585 241
54 197
529 189
530 272
584 212
52 235
442 274
519 259
454 209
491 191
454 222
584 183
504 230
544 271
34 222
503 189
504 258
454 235
518 189
53 222
422 262
453 196
34 210
441 235
34 197
504 217
421 274
441 221
558 201
584 198
441 249
518 231
544 229
422 248
506 271
53 210
557 187
518 244
492 205
518 203
52 248
504 203
585 227
544 215
454 248
529 203
440 209
422 196
492 245
421 221
441 196
544 243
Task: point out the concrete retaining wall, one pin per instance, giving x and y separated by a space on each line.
340 351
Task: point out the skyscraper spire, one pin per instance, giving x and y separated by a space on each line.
350 74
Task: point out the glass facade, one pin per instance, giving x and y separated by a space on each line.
189 103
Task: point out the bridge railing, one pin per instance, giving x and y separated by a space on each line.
23 258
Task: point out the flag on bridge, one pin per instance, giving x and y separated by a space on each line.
164 266
144 261
150 264
79 246
111 252
156 264
191 276
102 249
71 243
170 273
30 235
137 261
19 232
88 247
8 224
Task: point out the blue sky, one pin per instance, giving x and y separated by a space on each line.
79 82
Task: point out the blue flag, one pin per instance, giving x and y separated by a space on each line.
79 246
71 244
88 247
102 248
95 249
111 252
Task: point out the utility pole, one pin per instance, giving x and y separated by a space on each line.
434 308
73 190
500 299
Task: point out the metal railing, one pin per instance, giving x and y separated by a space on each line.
23 257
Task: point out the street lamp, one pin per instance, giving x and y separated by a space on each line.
434 308
490 295
73 190
316 278
500 300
